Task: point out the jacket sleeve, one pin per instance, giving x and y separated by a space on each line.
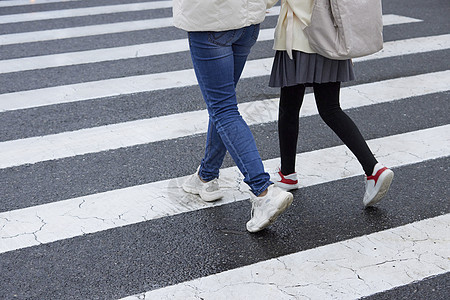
271 3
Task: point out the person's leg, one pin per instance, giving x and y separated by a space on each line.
327 99
215 150
213 59
219 58
241 49
378 177
291 99
204 181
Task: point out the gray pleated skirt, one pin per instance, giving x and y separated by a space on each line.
308 68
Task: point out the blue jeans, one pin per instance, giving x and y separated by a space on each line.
218 59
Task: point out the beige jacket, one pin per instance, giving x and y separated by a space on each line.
218 15
294 15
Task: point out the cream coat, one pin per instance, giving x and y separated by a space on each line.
294 16
218 15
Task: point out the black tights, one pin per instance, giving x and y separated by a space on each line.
327 101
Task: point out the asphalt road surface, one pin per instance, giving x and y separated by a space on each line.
102 119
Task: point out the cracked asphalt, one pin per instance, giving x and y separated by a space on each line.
126 260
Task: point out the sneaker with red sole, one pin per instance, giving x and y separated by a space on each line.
377 185
286 182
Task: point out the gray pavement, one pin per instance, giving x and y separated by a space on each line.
127 260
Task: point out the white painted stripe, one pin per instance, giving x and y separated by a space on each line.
74 32
394 48
410 46
389 19
398 20
116 87
81 12
56 34
350 269
101 88
93 213
93 56
103 138
9 3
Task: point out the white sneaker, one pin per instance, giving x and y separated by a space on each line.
265 210
377 184
208 191
286 182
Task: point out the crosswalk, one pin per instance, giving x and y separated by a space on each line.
90 199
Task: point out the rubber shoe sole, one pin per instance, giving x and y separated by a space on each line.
194 185
386 179
281 207
286 186
207 197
